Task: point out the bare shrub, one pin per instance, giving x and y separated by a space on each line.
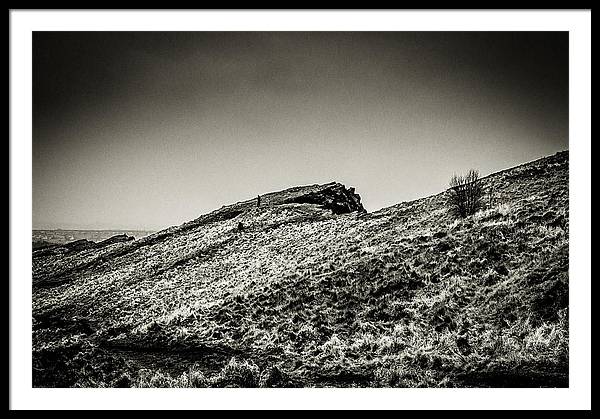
466 194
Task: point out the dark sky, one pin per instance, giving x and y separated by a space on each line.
151 129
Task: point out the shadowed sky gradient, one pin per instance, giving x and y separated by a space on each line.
151 129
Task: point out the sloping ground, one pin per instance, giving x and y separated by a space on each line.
309 290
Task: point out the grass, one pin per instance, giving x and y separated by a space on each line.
408 296
236 373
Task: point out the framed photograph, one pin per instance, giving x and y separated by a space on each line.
300 209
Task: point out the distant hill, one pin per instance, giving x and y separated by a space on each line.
59 236
308 289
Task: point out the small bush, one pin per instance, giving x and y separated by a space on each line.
239 374
466 194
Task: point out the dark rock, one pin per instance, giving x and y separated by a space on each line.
333 196
78 245
119 238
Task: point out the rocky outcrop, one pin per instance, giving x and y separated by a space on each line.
58 264
119 238
333 196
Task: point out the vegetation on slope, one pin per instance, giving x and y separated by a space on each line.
307 295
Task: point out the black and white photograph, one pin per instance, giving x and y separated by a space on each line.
301 209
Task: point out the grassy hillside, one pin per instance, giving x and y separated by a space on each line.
309 290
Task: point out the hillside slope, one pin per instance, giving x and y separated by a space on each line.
310 290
